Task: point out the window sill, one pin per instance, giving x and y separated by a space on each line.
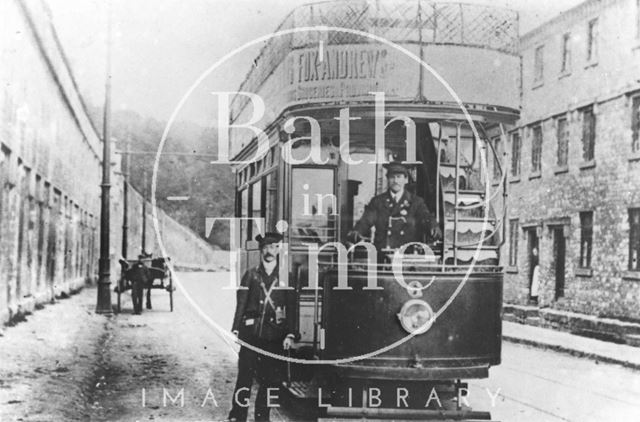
535 175
584 272
591 64
564 74
587 165
560 170
631 275
635 156
514 179
511 270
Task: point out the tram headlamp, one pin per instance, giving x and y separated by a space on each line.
416 316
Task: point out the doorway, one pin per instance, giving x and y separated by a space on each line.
559 256
533 256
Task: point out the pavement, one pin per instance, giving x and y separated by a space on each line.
561 341
53 368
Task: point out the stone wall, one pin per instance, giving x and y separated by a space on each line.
50 175
608 185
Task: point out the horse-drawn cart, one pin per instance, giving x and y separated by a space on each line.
144 273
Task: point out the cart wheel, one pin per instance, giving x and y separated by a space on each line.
171 291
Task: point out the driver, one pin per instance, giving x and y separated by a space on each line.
399 217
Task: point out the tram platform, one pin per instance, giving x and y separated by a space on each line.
573 344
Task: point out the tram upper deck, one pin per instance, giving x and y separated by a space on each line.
309 72
339 52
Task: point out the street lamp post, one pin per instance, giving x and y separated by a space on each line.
104 278
144 213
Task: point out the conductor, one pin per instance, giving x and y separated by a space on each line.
262 319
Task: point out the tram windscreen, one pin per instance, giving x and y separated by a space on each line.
314 206
362 182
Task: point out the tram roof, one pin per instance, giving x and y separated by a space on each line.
423 22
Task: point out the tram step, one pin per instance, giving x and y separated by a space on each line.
305 390
378 414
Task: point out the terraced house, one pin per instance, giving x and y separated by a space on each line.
574 170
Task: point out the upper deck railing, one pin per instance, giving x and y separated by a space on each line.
399 21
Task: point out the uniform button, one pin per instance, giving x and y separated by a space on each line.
389 232
261 302
401 232
271 319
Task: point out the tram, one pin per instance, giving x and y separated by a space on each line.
397 335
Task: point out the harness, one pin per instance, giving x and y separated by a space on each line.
267 301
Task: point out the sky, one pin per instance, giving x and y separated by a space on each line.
160 47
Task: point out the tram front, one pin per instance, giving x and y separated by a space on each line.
433 88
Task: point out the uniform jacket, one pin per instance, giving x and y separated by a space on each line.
410 220
263 311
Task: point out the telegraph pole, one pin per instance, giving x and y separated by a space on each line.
104 280
125 201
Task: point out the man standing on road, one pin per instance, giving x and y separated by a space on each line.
263 319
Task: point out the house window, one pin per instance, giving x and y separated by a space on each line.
536 149
592 41
516 144
513 242
538 65
634 239
586 238
637 18
588 133
562 135
635 123
566 53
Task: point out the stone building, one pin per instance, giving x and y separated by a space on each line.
574 163
50 175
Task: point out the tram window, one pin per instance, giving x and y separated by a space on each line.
256 199
313 205
244 212
497 171
467 150
362 185
271 202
